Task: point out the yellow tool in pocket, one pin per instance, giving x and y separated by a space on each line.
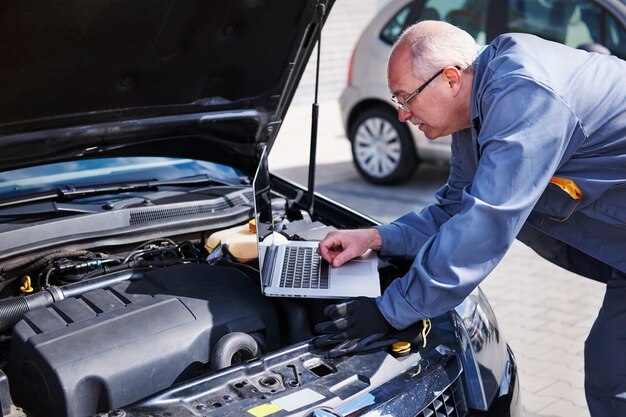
568 186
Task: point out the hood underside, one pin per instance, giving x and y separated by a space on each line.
87 77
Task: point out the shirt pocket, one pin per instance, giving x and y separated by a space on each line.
611 206
556 203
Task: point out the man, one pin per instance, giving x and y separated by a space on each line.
538 153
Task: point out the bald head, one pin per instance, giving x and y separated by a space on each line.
431 44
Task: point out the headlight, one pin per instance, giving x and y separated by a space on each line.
483 351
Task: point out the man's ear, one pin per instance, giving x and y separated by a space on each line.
454 78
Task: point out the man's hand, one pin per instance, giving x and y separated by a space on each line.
340 246
354 325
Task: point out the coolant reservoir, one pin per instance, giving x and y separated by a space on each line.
241 241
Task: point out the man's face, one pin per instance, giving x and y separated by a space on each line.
427 110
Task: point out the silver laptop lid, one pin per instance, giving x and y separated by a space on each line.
263 214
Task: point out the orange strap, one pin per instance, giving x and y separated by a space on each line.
568 186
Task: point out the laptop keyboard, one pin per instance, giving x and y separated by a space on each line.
302 269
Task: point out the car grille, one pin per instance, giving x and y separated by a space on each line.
185 198
154 214
148 216
443 406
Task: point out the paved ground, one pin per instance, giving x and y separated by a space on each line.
544 312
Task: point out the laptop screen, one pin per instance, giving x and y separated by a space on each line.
263 215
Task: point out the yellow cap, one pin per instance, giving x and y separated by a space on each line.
26 285
252 225
401 347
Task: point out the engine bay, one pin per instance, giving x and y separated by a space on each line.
87 331
99 325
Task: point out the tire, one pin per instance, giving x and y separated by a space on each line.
382 147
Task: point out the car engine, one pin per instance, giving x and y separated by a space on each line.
95 338
112 346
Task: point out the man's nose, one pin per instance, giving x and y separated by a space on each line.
404 115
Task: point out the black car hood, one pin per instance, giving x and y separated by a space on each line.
190 78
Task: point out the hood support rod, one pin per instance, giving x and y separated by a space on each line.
321 11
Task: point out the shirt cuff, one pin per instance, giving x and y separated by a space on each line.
397 311
392 240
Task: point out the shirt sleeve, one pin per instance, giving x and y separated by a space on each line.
405 236
525 134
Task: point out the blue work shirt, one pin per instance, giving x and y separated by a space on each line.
538 110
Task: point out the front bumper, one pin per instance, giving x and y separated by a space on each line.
301 382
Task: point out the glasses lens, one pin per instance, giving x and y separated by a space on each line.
398 103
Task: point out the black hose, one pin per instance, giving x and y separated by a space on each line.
13 309
78 288
36 262
103 270
138 263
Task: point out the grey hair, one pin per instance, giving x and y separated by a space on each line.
436 45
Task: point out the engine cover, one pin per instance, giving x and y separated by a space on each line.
110 347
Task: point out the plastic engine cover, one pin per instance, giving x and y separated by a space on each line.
113 346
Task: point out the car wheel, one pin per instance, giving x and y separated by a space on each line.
382 147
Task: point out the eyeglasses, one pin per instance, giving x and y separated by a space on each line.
402 104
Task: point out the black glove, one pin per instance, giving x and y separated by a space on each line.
355 325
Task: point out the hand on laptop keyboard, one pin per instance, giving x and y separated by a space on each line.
340 246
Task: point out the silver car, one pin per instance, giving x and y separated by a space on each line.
386 151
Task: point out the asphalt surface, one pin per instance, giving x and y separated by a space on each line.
544 312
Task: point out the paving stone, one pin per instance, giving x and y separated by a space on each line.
535 384
536 402
531 349
535 367
566 374
561 356
557 340
563 390
518 323
527 413
577 333
564 318
566 409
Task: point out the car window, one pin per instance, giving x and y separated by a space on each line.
396 25
466 14
571 22
469 15
615 37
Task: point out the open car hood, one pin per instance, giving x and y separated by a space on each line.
202 79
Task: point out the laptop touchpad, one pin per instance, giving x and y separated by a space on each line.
354 268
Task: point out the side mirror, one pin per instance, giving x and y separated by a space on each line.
595 47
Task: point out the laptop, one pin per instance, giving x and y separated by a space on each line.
291 268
